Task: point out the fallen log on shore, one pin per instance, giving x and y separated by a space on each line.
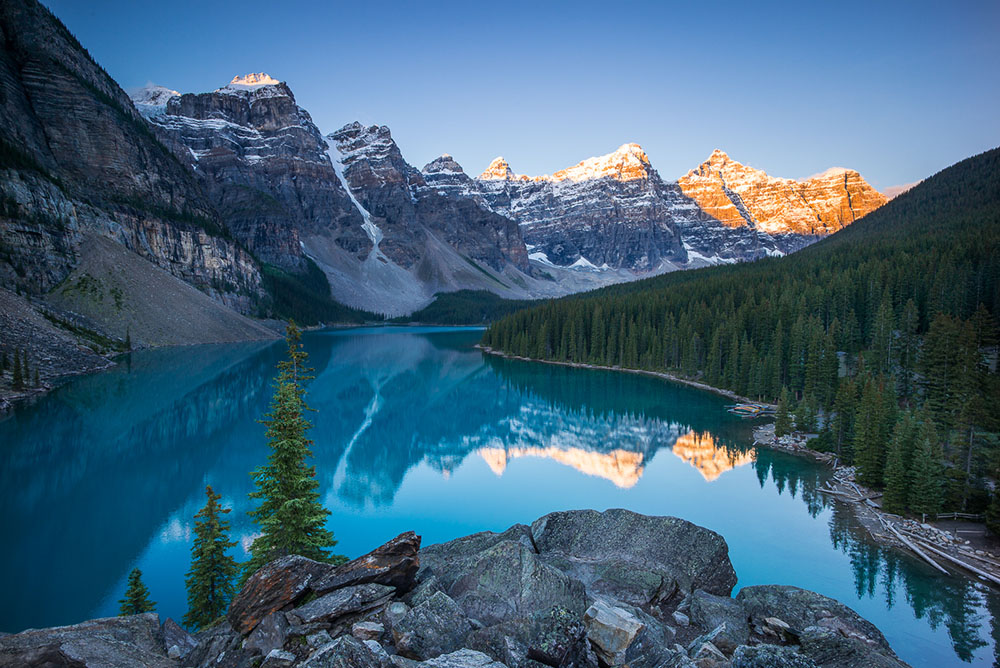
969 567
903 539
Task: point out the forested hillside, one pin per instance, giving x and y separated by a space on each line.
884 336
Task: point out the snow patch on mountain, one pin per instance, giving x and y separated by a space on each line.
370 228
151 99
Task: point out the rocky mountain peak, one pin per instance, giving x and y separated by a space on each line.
627 163
445 163
372 140
498 169
256 86
739 195
152 94
254 79
719 166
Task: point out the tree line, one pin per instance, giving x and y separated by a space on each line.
289 515
883 338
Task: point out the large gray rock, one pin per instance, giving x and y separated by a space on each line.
215 642
708 611
625 635
831 649
436 626
611 630
278 658
509 580
344 652
555 637
448 561
634 558
270 634
354 600
463 658
122 642
829 632
800 608
770 656
176 637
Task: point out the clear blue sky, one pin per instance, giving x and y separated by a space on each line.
894 90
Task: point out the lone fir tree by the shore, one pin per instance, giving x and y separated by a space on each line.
136 600
209 583
290 516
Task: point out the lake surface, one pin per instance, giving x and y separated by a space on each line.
416 429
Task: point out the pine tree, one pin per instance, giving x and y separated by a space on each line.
844 406
18 380
128 338
210 581
805 415
36 382
290 516
898 463
908 346
136 599
869 442
926 474
782 418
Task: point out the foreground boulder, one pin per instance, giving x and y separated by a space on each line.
827 631
801 608
508 580
122 642
436 626
635 558
449 561
579 589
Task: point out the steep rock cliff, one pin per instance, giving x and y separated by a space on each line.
77 156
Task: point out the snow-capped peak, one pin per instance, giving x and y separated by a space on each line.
257 85
152 94
498 169
445 163
254 80
626 163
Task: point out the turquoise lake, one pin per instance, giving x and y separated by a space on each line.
416 429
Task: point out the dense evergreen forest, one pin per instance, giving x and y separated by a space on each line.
882 338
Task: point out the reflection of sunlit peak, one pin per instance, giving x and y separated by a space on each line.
622 467
495 458
446 473
701 452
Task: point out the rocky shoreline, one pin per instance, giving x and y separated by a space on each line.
643 372
944 551
576 589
